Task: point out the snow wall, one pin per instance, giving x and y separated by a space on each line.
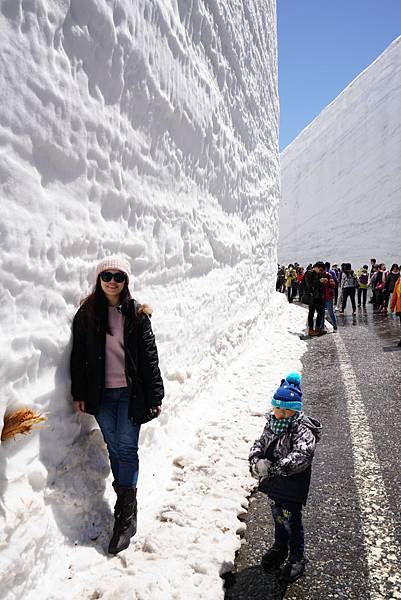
341 177
148 128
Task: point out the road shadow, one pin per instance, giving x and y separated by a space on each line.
254 583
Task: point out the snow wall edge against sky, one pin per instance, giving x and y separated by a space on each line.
340 177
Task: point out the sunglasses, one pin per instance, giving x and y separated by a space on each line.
107 276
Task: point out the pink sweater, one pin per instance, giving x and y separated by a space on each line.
115 353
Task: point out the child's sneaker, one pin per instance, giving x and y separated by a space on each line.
274 557
293 570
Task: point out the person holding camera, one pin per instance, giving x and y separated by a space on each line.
314 281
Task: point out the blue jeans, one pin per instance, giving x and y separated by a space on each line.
121 436
288 528
329 306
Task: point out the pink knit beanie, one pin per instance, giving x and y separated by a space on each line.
114 262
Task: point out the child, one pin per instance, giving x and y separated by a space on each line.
281 459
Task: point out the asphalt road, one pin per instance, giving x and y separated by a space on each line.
340 558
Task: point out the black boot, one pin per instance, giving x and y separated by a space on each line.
399 343
292 571
274 557
126 520
117 506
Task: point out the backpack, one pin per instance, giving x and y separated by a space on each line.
349 280
363 278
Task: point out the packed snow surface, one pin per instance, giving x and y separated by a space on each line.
341 177
146 128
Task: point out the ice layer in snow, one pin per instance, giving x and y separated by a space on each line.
149 129
341 176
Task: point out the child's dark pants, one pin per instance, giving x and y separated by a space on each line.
362 296
288 528
348 292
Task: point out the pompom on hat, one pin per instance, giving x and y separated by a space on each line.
114 262
289 394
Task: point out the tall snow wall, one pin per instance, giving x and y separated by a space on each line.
341 177
148 128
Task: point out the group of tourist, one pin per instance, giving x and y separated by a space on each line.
324 287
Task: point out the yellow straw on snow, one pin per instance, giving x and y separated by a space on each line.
21 421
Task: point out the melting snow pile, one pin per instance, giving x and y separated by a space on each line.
150 129
341 176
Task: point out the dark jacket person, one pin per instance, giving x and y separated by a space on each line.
115 376
314 280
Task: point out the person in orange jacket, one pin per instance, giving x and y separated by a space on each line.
396 302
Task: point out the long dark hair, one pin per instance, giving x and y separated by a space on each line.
96 305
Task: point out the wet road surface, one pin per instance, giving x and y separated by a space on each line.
340 558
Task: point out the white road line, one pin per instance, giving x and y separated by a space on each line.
382 549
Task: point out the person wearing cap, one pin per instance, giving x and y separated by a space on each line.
115 376
281 460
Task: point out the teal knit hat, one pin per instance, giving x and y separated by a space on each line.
289 394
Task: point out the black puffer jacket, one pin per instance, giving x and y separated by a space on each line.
391 281
313 286
142 371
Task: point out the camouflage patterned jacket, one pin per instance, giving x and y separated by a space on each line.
291 455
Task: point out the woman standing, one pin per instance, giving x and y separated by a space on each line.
349 284
395 302
300 282
290 278
337 273
391 281
363 280
372 283
115 376
380 285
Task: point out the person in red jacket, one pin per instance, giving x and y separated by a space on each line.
395 303
329 287
300 279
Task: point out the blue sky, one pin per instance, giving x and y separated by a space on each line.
323 45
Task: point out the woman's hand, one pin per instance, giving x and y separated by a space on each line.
79 406
155 411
